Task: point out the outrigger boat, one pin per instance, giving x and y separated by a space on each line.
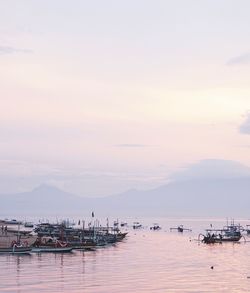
51 249
229 233
137 225
247 229
181 229
155 227
15 250
49 244
28 225
15 243
124 224
58 236
46 237
10 222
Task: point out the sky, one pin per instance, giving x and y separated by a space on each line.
98 97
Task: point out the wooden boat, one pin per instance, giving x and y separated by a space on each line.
40 249
15 243
83 244
181 229
137 225
219 238
49 244
229 233
84 248
247 229
10 222
28 225
16 249
155 227
8 239
120 236
124 224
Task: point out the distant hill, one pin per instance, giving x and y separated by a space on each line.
196 197
44 199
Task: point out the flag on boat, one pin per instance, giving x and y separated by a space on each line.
93 215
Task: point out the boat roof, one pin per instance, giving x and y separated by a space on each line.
216 230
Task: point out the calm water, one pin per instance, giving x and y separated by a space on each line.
147 261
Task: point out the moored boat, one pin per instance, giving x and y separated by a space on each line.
8 239
15 243
155 227
15 250
49 244
229 233
137 225
28 225
181 229
121 235
10 222
124 224
51 249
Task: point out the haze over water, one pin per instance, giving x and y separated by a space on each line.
147 261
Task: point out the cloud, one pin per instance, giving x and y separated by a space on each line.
239 60
40 132
131 145
212 169
6 50
245 126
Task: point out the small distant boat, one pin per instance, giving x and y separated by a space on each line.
155 227
137 225
10 222
181 229
247 229
124 224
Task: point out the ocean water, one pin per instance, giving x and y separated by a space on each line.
146 261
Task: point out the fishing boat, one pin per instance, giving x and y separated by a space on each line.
229 233
124 224
247 229
51 249
16 249
49 244
15 243
8 239
28 225
137 225
120 235
181 229
155 227
10 222
80 243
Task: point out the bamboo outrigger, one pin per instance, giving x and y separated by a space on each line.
229 233
181 229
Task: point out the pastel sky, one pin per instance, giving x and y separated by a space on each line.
98 97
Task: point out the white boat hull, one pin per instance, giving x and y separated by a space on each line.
15 250
52 249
